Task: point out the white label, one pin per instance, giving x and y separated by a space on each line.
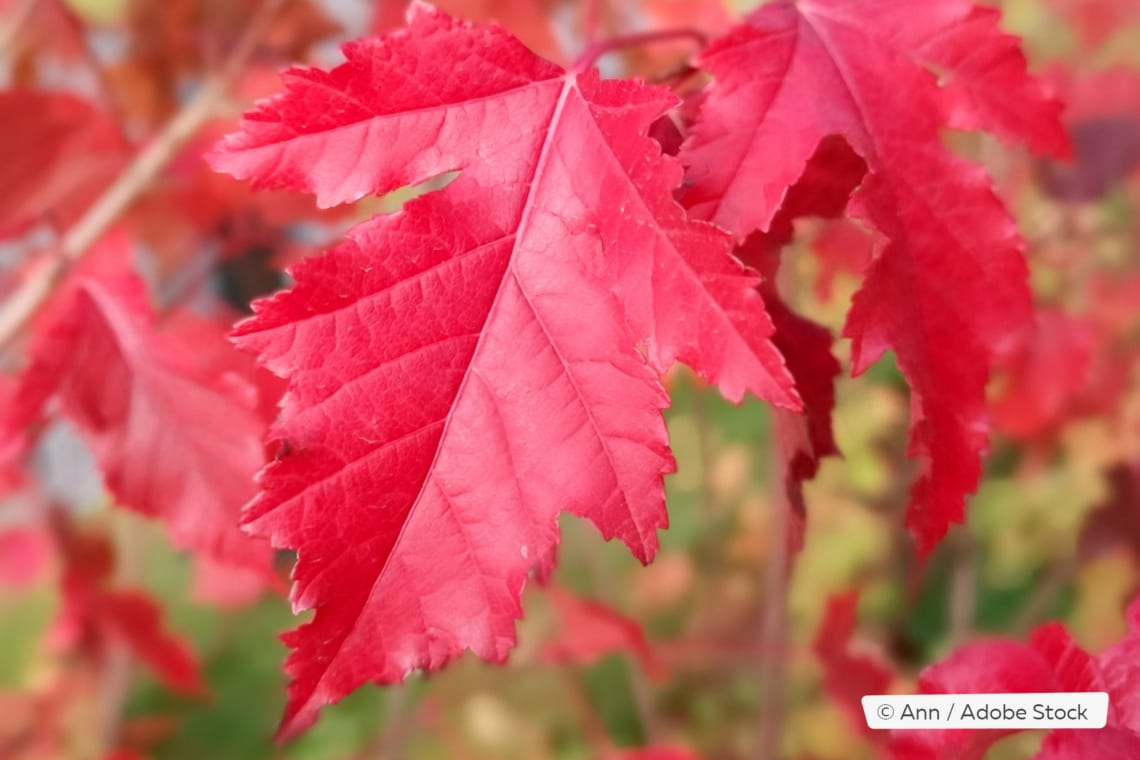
979 711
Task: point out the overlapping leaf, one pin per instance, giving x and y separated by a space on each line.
463 371
588 630
949 285
172 442
1051 661
58 152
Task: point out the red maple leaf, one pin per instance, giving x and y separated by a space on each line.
58 152
1051 661
466 369
949 285
172 441
589 630
96 617
1048 365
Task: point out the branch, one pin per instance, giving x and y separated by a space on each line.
597 50
22 306
591 21
14 24
774 623
963 587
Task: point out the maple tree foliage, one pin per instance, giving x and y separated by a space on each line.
137 399
1050 661
567 264
793 74
543 249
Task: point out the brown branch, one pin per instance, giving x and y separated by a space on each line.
963 587
78 30
774 622
597 50
591 21
23 305
15 23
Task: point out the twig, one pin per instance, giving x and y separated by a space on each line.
388 744
114 688
597 50
774 625
591 21
21 307
118 663
642 690
98 70
593 727
1055 580
963 591
16 22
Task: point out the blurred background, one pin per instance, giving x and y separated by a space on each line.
683 650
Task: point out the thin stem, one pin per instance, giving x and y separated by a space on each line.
591 21
1054 582
98 70
118 664
389 743
963 588
593 727
22 306
774 626
642 690
597 50
16 22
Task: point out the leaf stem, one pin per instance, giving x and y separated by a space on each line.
597 50
22 306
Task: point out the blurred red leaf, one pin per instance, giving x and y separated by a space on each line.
1050 662
795 74
96 617
1097 20
1116 522
589 630
57 154
25 554
848 675
1047 367
172 442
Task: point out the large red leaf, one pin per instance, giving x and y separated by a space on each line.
173 442
464 370
949 285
